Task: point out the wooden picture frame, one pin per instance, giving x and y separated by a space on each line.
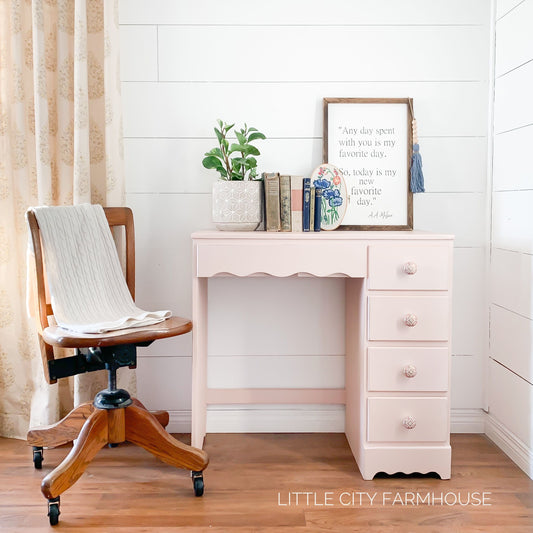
371 141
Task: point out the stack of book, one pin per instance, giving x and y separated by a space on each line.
291 203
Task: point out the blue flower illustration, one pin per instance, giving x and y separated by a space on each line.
335 201
330 181
322 183
331 193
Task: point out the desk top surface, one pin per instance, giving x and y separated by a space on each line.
320 235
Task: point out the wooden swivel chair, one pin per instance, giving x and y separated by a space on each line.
114 416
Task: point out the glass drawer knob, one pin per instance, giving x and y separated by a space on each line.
409 422
410 268
410 320
409 371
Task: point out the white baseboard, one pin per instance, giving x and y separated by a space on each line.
269 419
179 422
510 444
467 421
298 419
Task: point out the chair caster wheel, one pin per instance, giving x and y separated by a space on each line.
53 511
112 445
198 483
38 457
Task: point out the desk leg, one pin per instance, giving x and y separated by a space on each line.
199 361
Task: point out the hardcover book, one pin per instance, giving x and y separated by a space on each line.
285 202
312 215
318 209
273 220
296 202
306 210
262 224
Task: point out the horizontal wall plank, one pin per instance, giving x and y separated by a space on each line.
139 63
155 165
503 7
322 53
461 214
510 401
163 227
283 371
512 220
511 341
467 382
454 164
469 309
291 109
513 160
512 281
514 43
303 12
271 316
175 165
164 382
513 106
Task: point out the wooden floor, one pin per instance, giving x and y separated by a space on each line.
251 486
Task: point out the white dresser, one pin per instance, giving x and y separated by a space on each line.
398 324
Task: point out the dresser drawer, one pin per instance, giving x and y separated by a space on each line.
408 369
415 267
322 259
408 419
408 318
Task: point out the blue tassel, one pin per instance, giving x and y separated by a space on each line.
417 177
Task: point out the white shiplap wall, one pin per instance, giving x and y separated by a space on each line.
187 63
510 392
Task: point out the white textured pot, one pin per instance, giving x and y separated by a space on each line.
237 205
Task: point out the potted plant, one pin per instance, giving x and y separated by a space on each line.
237 195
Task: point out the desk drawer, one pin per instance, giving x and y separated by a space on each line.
422 267
408 369
408 318
408 419
283 259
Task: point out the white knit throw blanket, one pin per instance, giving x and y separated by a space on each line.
87 286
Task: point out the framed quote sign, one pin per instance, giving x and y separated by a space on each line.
370 141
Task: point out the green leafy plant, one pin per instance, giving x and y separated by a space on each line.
235 161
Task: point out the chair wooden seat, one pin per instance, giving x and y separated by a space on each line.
63 338
113 417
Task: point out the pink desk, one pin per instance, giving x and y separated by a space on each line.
398 324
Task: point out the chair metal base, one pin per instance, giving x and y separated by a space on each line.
112 399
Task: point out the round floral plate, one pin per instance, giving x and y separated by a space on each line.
334 195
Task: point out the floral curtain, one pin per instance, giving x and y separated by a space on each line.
60 143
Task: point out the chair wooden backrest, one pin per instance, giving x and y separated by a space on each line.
116 216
